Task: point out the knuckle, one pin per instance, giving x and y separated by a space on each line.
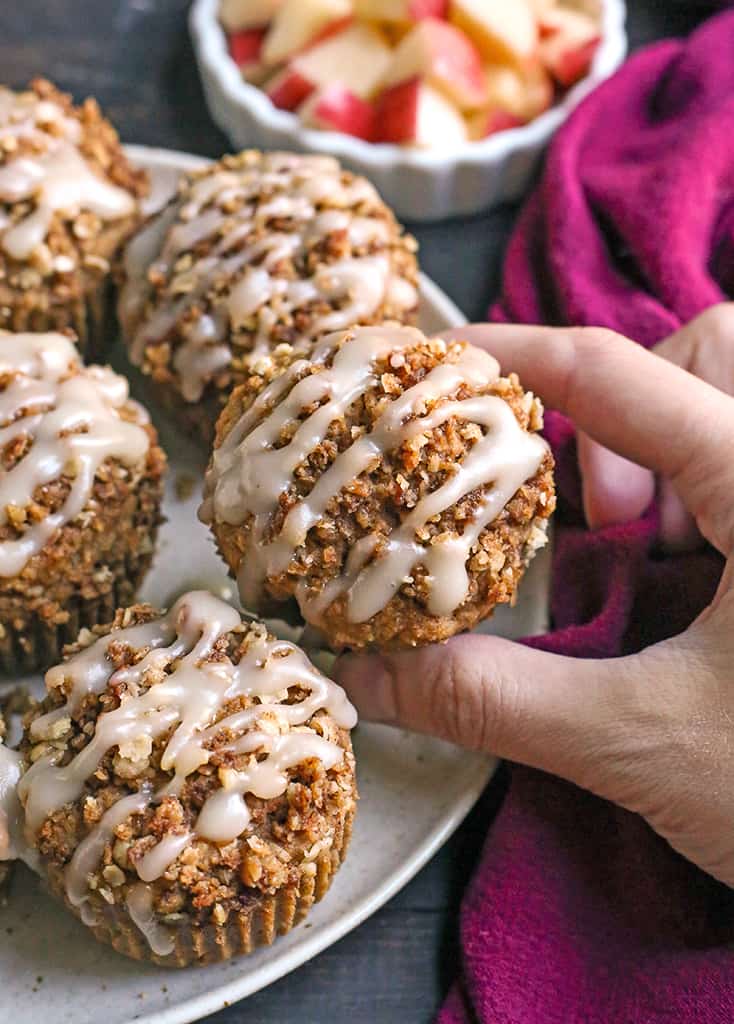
596 340
718 320
473 704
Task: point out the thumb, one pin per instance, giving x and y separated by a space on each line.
563 715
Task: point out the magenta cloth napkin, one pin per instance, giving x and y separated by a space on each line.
578 913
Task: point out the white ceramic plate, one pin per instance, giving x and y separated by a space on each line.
414 793
419 184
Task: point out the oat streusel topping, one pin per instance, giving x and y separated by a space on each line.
256 256
182 760
389 477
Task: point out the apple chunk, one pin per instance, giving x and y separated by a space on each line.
240 14
502 31
567 45
524 91
415 113
489 122
336 108
401 11
245 47
445 57
287 90
300 22
357 57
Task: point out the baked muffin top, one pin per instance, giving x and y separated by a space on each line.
175 751
373 467
63 178
60 422
258 254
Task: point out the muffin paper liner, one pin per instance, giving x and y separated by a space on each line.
244 931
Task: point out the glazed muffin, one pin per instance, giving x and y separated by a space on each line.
68 201
191 787
255 257
80 492
394 485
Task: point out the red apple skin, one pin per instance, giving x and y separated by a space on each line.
245 46
396 112
287 90
419 9
329 30
456 59
338 109
573 65
501 121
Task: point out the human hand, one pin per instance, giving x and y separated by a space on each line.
616 490
653 732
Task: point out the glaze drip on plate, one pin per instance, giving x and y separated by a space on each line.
44 166
252 221
66 420
249 471
191 684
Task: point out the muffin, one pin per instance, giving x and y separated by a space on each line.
68 201
80 492
191 787
255 257
394 485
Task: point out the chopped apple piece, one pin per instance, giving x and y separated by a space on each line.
570 66
444 56
489 122
239 14
297 23
356 57
567 45
287 90
400 10
417 114
574 26
524 91
336 108
503 31
245 46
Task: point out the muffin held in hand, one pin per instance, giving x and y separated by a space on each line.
255 257
191 786
80 492
394 485
68 201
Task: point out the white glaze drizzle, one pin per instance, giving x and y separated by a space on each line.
185 704
248 473
247 278
55 176
71 416
139 905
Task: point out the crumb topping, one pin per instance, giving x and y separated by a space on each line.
255 257
368 478
113 806
63 179
61 426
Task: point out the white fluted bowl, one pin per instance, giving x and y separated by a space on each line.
421 185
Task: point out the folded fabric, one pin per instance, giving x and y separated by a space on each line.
578 913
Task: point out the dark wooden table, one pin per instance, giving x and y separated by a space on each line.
136 58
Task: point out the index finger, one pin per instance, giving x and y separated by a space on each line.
628 399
